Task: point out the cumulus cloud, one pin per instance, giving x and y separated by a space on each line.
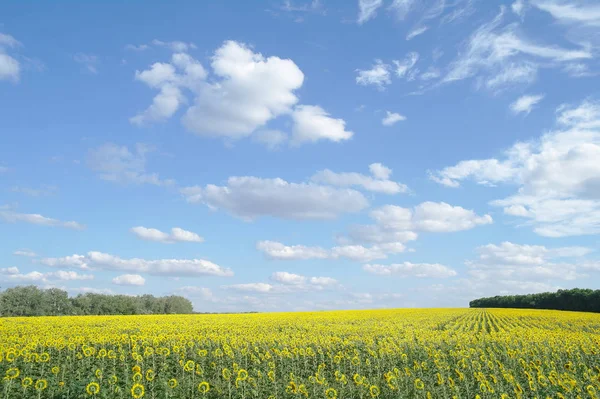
176 235
251 197
286 283
288 278
392 118
238 96
10 216
25 252
367 9
527 263
252 90
358 253
160 267
378 75
13 274
118 164
312 123
394 226
556 175
277 250
129 279
526 103
378 182
407 269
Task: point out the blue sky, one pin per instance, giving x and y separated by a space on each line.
300 155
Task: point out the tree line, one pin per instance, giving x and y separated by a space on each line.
33 301
578 299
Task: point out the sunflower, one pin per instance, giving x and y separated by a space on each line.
93 388
25 382
12 373
173 383
55 370
330 393
242 375
40 385
419 384
203 387
98 374
226 373
137 391
189 365
150 375
374 391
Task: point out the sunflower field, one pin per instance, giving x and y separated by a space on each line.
403 353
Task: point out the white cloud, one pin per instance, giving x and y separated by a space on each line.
378 75
11 216
288 278
379 171
25 252
252 90
161 267
357 253
141 47
526 103
402 7
430 74
513 74
119 164
394 226
129 279
252 197
392 118
175 46
286 283
407 269
525 263
369 183
277 250
323 281
89 61
272 139
312 123
10 68
13 274
416 32
518 7
485 172
367 9
245 91
490 49
571 12
405 67
556 174
177 235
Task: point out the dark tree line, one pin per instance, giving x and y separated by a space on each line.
32 301
585 300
